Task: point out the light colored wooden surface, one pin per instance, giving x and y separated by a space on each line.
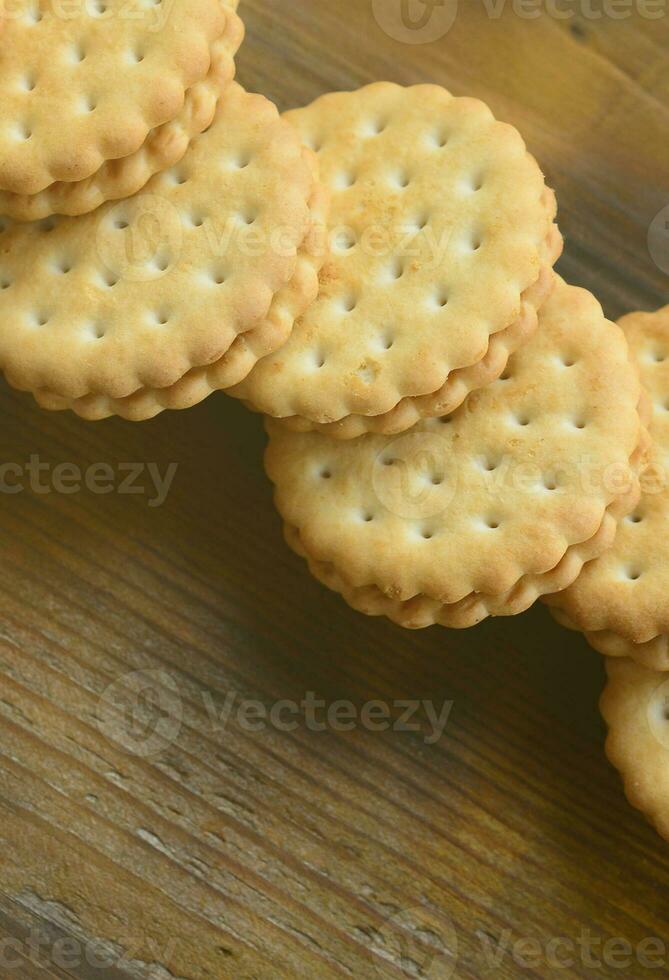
227 853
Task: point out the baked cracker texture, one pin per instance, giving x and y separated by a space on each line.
621 601
198 383
85 83
483 511
138 293
164 146
442 240
635 706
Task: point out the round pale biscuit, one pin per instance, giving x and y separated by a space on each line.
460 382
442 234
136 294
85 82
164 146
621 601
635 706
288 303
481 512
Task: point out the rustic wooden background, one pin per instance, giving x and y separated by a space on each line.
233 854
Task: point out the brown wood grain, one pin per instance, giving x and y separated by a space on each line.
229 853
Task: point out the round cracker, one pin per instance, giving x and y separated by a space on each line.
621 602
441 233
164 146
247 349
483 511
138 293
85 82
635 706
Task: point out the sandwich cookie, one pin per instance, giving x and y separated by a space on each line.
621 602
443 243
635 706
98 98
483 511
158 300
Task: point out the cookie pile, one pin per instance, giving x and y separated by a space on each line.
621 601
443 241
480 512
98 97
454 431
116 302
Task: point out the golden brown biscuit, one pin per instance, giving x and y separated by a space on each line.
442 244
482 512
621 601
129 299
164 146
85 82
246 350
635 706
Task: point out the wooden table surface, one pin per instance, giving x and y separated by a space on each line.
148 828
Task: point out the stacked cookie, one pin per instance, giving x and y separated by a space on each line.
127 305
480 512
99 97
621 601
454 431
443 241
